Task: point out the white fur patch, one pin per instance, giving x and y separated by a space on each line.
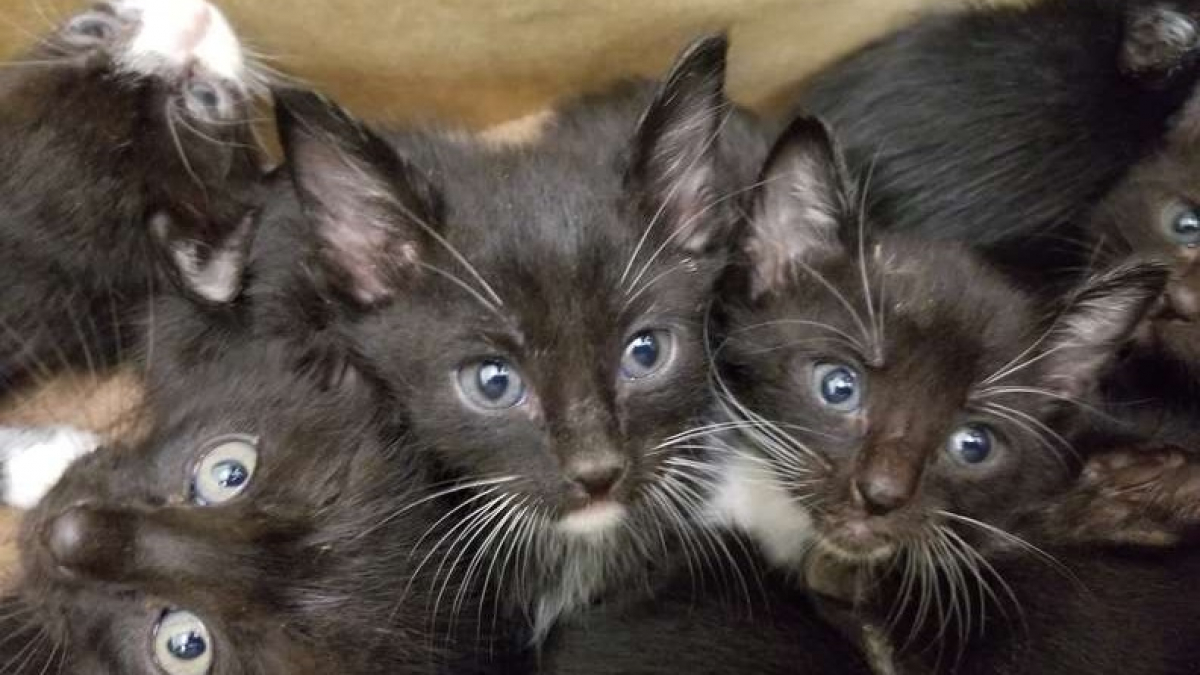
749 499
592 521
175 34
35 458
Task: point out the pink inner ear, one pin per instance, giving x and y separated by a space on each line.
360 252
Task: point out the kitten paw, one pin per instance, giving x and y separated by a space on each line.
1145 496
1157 42
34 459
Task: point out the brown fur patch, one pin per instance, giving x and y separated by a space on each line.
109 405
526 130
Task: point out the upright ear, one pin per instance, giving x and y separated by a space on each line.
372 212
676 148
803 199
1097 322
211 271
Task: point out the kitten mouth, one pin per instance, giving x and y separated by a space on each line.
594 518
857 543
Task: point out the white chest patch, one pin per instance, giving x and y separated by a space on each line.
750 499
35 458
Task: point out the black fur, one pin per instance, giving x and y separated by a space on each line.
106 172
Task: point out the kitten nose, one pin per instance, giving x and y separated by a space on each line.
87 540
880 495
598 477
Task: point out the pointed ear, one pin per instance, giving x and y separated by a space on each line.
1097 322
372 212
803 200
213 272
676 147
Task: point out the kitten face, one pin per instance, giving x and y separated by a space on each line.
537 314
901 395
1154 214
128 125
256 531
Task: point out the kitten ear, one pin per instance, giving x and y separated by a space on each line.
676 156
1098 320
371 210
1158 41
211 271
803 199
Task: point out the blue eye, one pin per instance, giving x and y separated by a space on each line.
1183 226
646 354
491 383
224 470
971 444
838 386
182 645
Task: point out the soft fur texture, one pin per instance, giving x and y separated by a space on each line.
122 164
329 560
551 259
938 346
1002 126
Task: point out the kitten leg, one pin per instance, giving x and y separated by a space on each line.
1142 495
1158 40
33 459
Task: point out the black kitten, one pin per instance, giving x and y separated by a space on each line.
261 528
1002 126
536 314
128 153
898 405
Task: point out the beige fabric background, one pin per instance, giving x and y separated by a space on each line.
481 62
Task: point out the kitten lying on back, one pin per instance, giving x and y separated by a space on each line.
263 527
1001 126
537 321
128 153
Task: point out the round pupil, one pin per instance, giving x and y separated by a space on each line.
187 646
493 379
230 473
205 95
1188 223
644 350
974 445
838 386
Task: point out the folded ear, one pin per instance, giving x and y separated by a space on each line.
676 148
1097 322
803 200
373 212
211 271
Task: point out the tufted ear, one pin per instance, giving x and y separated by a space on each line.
1097 322
373 212
676 147
802 202
211 271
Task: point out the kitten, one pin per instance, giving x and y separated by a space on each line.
537 320
897 406
1001 126
128 154
261 528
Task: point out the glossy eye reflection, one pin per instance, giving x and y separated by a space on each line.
1183 225
646 354
971 444
491 383
204 100
92 27
182 644
225 470
837 386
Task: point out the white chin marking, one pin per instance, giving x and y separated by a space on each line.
593 520
34 459
173 35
